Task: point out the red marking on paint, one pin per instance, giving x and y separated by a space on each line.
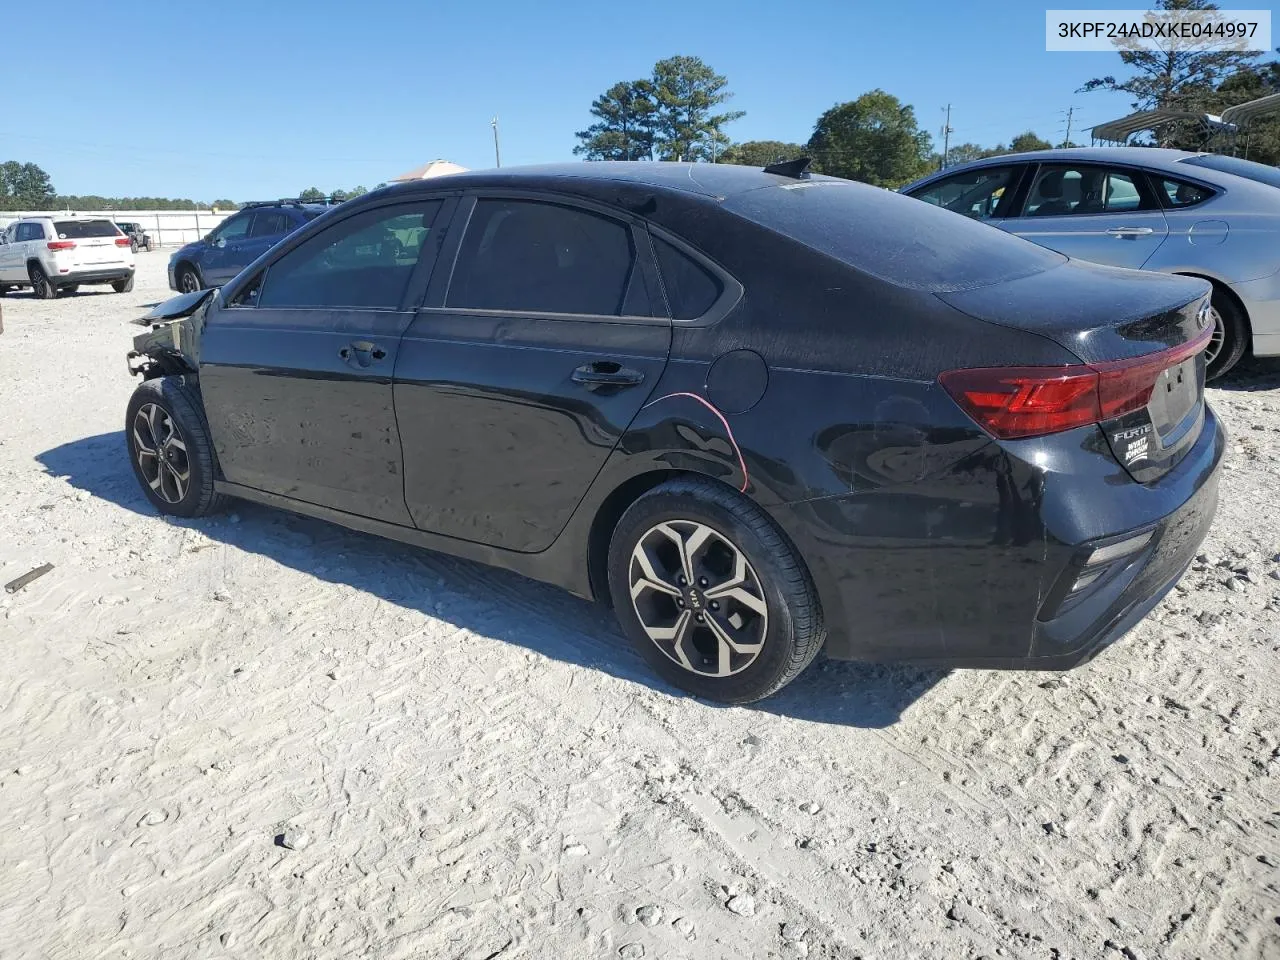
742 464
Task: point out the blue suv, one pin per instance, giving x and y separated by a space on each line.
237 242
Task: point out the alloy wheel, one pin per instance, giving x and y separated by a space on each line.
188 282
161 453
698 598
1217 338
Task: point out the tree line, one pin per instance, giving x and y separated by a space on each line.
674 114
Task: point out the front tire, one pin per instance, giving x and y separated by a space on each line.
188 280
1230 335
123 286
41 285
711 592
170 448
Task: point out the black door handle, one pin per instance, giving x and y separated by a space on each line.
361 353
606 373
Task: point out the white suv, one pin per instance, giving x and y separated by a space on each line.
50 254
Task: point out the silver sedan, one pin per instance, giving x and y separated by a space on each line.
1199 214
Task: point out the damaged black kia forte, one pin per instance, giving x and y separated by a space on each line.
761 413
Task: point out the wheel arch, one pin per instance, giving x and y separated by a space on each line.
191 265
606 518
616 503
1224 288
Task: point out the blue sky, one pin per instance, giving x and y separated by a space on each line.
239 99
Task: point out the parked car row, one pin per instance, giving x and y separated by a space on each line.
60 254
1168 211
761 413
139 239
236 242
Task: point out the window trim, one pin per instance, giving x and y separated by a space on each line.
1154 176
1017 172
731 291
418 279
644 267
1146 193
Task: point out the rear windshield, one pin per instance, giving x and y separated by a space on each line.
84 229
1240 168
896 238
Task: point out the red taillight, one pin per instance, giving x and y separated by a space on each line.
1013 402
122 241
62 244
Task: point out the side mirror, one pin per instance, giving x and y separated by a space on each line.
220 243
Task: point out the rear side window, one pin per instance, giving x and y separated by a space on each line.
30 231
364 261
84 229
529 256
691 288
269 224
891 236
1061 191
1176 193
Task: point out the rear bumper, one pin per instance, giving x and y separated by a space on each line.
93 276
978 584
1261 301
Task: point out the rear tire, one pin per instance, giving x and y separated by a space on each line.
123 286
188 280
1234 328
761 622
170 448
41 285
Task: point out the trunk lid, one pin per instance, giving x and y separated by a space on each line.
1136 329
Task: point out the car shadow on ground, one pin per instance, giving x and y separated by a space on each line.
1252 373
486 600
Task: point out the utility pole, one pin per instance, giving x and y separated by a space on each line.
497 157
947 130
1070 111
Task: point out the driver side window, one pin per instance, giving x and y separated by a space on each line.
234 228
363 261
974 193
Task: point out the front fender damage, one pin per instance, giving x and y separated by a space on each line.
171 345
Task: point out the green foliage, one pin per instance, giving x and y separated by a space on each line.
761 153
687 92
1260 140
874 139
624 128
81 202
1028 141
1176 78
24 186
671 116
968 152
311 193
356 192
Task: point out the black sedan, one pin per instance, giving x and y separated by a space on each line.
761 413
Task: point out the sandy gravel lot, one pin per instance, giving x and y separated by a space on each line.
263 736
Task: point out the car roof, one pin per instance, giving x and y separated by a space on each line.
1149 158
1146 156
715 180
